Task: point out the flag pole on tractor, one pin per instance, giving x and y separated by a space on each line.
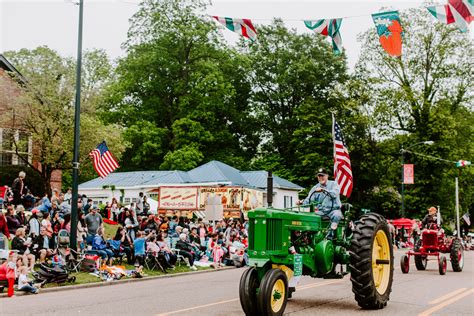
77 113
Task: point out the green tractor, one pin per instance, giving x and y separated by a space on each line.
287 243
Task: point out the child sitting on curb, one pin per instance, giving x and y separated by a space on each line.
24 284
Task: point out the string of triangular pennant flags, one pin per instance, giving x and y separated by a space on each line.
388 25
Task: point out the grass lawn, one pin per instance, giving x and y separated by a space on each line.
85 277
109 231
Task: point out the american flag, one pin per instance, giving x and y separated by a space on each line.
103 161
342 162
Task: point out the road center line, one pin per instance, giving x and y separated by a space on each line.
197 307
304 287
310 286
447 296
444 304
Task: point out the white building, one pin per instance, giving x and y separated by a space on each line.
125 186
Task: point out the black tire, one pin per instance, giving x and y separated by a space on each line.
291 290
405 264
248 291
457 256
267 293
420 261
442 265
367 293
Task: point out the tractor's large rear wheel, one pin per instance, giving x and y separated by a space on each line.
248 291
273 293
457 256
420 261
371 261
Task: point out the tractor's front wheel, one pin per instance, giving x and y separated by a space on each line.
249 284
442 265
420 261
405 264
371 261
457 256
273 293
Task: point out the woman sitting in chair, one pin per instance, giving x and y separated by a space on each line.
23 246
186 250
99 244
126 243
170 257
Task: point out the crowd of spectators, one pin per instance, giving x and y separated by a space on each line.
139 233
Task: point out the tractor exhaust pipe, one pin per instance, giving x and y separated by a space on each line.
270 189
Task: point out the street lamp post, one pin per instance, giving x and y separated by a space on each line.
77 113
402 151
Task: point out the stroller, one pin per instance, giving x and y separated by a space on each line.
47 274
71 259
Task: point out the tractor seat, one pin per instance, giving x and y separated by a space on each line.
325 217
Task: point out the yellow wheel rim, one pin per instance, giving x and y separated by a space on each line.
278 295
381 261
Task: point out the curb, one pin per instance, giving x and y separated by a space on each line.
104 283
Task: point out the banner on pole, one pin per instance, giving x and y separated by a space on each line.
408 174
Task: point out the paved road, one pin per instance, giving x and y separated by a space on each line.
417 293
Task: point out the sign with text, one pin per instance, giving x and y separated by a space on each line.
298 266
251 199
228 197
408 174
178 198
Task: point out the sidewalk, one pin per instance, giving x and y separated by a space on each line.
104 283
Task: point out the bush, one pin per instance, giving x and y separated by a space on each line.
33 180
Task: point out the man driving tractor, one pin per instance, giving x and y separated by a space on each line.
326 194
430 218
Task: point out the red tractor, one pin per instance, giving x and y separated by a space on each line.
434 243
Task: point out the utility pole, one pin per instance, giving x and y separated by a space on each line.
403 183
77 125
457 208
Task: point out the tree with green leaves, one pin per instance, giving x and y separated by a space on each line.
295 78
426 94
180 91
45 108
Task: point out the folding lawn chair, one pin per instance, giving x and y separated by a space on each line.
152 262
4 248
180 257
115 247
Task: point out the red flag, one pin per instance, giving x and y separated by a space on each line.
342 161
408 174
103 161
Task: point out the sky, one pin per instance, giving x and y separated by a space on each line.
32 23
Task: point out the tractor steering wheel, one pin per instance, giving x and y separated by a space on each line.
326 195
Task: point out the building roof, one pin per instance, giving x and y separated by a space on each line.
7 66
259 179
124 179
216 171
211 172
174 176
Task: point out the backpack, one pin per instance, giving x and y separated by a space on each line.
90 263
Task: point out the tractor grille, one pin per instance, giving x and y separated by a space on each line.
430 240
274 234
251 233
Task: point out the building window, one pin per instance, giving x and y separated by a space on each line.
127 201
8 155
288 201
6 159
